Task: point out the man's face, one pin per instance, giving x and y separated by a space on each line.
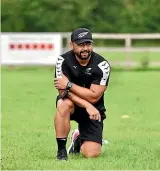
82 50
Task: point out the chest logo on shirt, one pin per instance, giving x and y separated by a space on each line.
74 66
88 71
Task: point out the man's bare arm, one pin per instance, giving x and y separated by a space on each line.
75 99
92 95
92 111
78 101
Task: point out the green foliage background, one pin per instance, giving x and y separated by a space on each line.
105 16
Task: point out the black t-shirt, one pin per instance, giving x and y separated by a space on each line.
97 72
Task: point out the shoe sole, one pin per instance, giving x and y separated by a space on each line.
72 142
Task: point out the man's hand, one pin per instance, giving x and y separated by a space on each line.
61 83
93 113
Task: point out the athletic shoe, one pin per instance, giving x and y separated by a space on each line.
104 142
62 155
74 147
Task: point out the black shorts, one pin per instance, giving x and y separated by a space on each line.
90 130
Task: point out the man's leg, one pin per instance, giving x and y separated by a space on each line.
75 143
90 149
91 137
62 125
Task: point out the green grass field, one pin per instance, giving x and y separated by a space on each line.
28 138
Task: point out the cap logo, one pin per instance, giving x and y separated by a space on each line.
82 34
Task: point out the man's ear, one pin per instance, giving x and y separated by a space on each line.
71 44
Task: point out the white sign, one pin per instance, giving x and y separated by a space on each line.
30 48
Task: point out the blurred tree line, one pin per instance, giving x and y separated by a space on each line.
106 16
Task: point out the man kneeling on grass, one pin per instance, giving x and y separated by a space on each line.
81 77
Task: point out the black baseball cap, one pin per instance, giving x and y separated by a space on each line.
81 35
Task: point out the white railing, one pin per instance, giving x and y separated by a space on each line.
43 48
128 47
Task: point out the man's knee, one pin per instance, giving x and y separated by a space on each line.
65 107
91 149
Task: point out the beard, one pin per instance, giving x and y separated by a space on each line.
83 55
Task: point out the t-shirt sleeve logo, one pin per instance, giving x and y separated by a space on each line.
59 62
105 68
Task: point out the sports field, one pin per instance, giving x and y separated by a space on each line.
134 56
28 138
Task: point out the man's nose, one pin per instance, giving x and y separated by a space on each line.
85 47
